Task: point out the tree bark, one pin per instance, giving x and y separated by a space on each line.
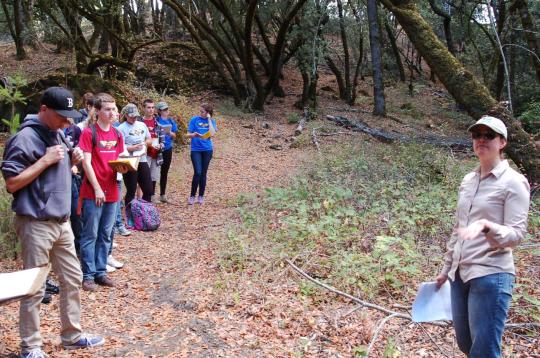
395 50
530 33
15 27
346 56
379 108
447 20
464 87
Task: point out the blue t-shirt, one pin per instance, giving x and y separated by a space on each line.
200 125
168 142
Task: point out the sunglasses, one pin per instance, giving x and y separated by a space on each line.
485 135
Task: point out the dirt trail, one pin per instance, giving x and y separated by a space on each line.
164 304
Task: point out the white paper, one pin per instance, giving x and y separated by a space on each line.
21 283
431 304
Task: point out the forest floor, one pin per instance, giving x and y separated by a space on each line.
171 299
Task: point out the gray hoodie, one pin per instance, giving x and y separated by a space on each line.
49 195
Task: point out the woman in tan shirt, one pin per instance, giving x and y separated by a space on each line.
491 219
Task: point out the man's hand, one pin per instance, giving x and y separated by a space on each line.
76 156
100 196
122 168
53 155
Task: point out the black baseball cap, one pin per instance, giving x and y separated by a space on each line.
61 101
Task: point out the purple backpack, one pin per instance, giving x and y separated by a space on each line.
142 215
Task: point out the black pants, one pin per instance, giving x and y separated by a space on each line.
143 178
167 158
201 161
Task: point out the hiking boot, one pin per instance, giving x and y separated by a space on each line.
200 200
123 231
191 200
51 287
111 261
89 285
109 268
164 199
86 341
47 298
34 353
104 281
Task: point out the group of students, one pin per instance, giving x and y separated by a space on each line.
67 198
39 163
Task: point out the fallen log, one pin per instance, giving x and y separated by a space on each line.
386 137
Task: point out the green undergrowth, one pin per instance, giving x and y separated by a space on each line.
367 218
9 245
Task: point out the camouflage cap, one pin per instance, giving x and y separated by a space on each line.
130 110
160 106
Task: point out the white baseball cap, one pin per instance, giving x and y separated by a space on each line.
495 124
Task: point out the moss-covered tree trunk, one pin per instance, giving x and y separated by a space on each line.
464 87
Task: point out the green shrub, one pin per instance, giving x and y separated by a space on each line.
9 245
530 118
293 118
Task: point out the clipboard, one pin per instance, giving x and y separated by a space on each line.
19 284
131 162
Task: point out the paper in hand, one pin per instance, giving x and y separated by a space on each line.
431 304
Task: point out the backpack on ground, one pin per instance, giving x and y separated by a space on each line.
142 215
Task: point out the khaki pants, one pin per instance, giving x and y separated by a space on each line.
43 242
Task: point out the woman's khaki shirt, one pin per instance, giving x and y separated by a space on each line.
502 197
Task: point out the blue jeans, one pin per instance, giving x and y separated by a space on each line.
98 222
118 220
479 310
201 162
75 220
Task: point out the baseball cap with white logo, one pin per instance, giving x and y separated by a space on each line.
495 124
61 101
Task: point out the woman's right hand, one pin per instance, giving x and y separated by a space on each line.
441 279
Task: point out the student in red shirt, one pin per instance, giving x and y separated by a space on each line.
100 142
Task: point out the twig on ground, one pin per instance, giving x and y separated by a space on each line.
377 331
352 298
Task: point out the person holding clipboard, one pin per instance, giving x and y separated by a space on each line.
167 128
201 129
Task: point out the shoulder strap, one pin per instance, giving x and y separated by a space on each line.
94 134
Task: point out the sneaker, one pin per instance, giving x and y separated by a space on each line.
109 268
104 281
154 199
200 200
123 231
89 285
191 200
47 298
114 245
111 261
34 353
164 199
86 341
51 287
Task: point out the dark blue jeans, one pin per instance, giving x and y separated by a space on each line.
75 220
201 162
479 310
98 222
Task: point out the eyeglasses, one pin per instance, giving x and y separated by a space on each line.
486 135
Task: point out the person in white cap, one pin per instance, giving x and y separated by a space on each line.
491 220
